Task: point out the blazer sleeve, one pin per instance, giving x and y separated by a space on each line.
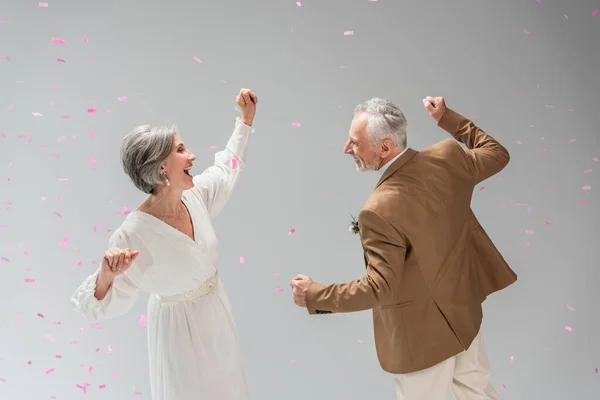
385 252
485 156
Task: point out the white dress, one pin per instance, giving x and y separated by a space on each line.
193 344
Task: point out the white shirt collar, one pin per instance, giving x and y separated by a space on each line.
387 165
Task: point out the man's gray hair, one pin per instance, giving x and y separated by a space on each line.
385 120
143 151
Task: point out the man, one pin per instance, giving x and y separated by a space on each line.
430 264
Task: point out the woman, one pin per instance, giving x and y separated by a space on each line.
193 343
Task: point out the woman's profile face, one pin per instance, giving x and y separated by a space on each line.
178 164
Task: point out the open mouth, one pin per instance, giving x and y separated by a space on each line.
187 171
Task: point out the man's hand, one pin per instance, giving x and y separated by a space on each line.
435 106
300 285
247 101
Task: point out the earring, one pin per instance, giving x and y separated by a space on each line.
167 180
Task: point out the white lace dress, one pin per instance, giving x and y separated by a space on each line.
193 343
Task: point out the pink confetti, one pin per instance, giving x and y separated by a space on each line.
299 4
361 341
60 60
43 4
572 140
543 150
279 289
36 114
583 201
586 188
91 110
481 188
587 171
241 260
292 362
567 327
503 386
64 242
570 308
199 61
143 320
529 232
92 161
51 370
293 230
122 98
348 33
59 41
29 280
277 274
547 223
594 13
525 31
234 163
296 124
596 159
57 214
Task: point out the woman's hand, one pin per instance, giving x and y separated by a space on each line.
247 101
116 261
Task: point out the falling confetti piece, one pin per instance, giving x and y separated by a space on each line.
293 230
241 260
60 60
572 140
91 110
122 98
43 4
29 280
586 188
567 327
279 289
36 114
92 161
234 163
481 188
64 242
143 320
57 214
570 308
361 341
51 370
348 33
299 4
503 386
199 61
583 201
292 362
594 13
587 171
59 41
529 232
525 31
296 124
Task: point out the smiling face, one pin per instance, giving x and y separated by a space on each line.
177 166
359 146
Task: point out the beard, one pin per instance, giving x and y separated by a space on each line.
362 166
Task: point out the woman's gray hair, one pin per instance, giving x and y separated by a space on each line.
385 120
143 151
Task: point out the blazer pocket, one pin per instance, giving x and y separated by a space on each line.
398 305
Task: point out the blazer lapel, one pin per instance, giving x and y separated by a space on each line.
396 165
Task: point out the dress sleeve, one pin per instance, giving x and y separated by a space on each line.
215 184
120 296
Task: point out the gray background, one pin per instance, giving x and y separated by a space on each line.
534 92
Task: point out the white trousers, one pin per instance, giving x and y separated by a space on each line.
467 375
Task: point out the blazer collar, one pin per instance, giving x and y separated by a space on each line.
396 165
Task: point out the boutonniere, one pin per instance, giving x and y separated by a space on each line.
353 228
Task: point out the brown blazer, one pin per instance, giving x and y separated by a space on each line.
430 264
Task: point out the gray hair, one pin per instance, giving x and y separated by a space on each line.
385 120
143 151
